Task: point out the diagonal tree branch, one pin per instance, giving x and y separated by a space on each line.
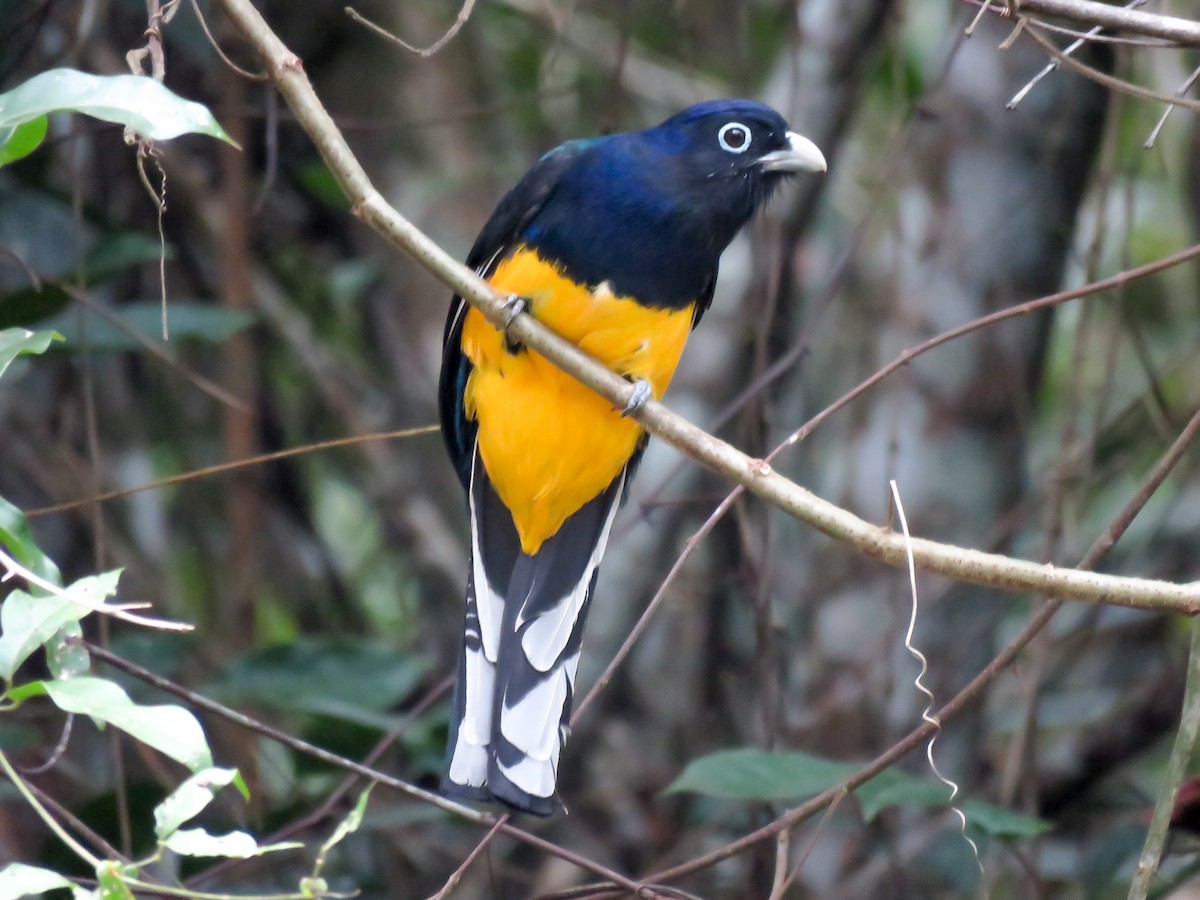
287 72
1114 18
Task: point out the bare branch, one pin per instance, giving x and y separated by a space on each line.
424 52
1114 18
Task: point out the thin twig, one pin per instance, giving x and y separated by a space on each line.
158 194
44 814
1177 765
96 840
479 848
1115 84
245 73
221 468
153 347
56 754
812 842
1054 64
464 14
456 876
985 7
1114 18
779 880
1162 120
120 611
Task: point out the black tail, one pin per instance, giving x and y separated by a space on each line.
520 650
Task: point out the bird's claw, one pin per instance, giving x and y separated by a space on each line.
641 393
512 307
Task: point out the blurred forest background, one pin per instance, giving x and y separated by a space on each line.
326 587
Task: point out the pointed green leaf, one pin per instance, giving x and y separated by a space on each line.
236 844
15 341
240 783
15 536
30 305
115 252
169 729
1003 823
348 825
750 774
189 799
143 104
93 590
19 880
188 321
334 676
27 622
18 141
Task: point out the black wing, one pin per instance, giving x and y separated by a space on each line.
704 301
498 238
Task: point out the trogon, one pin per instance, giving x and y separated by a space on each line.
614 243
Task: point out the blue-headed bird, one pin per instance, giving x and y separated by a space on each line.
614 243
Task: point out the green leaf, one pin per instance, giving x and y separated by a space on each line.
348 825
23 692
189 799
240 783
66 658
18 141
141 103
112 884
1000 822
27 622
31 305
117 251
893 788
19 880
330 676
235 845
171 730
750 774
316 178
187 321
15 536
15 341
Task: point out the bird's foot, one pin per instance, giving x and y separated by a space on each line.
641 393
513 307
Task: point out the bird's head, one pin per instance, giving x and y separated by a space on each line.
728 155
723 137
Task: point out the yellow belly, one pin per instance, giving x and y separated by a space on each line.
549 444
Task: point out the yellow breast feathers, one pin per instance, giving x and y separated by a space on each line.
549 444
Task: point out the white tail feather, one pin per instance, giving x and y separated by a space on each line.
531 724
546 637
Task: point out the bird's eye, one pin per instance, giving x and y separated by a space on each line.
734 137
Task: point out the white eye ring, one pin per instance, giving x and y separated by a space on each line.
741 137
